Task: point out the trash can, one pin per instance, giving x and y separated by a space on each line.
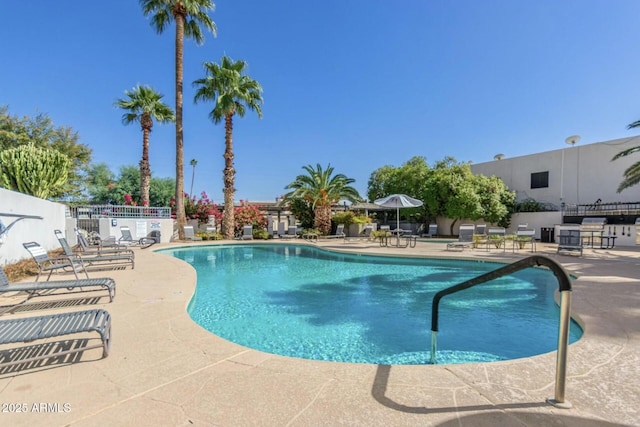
547 235
155 235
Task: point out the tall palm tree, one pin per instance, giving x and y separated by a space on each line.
143 105
632 173
189 16
193 164
322 189
232 92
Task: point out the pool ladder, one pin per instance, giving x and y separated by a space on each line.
564 285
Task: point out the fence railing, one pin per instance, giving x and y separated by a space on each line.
118 211
603 209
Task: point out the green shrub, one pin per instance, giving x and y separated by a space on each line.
349 217
261 234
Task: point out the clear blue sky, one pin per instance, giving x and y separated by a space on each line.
358 84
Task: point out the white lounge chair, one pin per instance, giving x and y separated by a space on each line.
189 234
465 238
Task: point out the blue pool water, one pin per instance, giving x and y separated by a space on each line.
309 303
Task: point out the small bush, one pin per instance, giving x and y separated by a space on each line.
261 234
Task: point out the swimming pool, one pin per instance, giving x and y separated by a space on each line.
302 301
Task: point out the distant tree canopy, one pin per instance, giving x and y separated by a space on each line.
449 189
40 131
103 187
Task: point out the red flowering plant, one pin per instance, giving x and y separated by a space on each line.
199 209
246 214
128 200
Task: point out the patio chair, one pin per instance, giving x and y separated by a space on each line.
189 233
59 263
497 236
125 236
87 249
433 231
29 329
465 238
247 232
281 229
292 233
34 289
570 241
110 260
339 233
127 239
523 238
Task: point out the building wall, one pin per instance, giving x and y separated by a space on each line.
578 174
28 230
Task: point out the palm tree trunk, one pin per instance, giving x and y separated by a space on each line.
180 213
228 219
145 168
322 219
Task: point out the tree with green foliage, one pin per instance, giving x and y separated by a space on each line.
232 92
41 132
143 105
410 179
105 188
632 173
322 189
447 189
40 172
190 16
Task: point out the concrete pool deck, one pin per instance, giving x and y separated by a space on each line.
164 370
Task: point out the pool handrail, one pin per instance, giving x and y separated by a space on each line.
564 286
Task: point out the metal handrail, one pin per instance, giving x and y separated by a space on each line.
564 285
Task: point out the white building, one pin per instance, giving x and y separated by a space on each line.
575 174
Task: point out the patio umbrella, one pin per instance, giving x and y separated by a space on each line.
398 201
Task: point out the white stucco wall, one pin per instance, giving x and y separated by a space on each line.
27 230
578 174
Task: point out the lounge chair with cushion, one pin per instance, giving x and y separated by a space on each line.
59 263
109 260
33 289
465 238
189 233
29 329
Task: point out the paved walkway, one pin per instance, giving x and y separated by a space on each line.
164 370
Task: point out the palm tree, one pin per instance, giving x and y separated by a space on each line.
322 190
232 92
632 173
193 164
189 16
143 105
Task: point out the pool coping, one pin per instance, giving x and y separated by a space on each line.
165 370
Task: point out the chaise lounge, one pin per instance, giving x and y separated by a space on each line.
33 289
29 329
97 261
